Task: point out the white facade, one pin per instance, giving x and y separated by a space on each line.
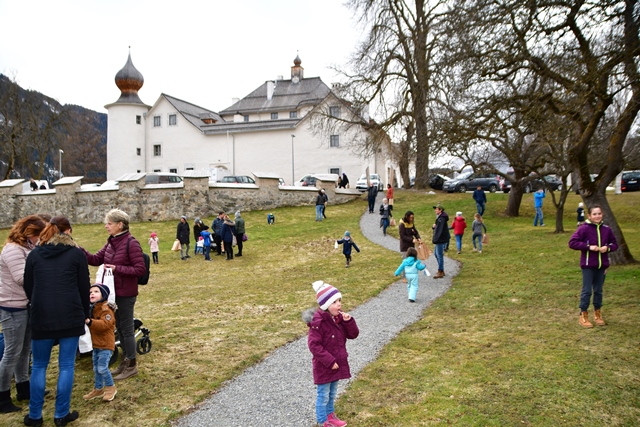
253 135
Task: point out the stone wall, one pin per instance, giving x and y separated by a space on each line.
195 197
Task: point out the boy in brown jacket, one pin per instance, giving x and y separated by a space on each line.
102 326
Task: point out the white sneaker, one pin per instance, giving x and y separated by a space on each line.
479 252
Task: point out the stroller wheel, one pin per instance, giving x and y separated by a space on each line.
114 356
143 346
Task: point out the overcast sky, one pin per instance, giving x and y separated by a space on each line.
203 52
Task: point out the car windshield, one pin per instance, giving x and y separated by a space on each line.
464 175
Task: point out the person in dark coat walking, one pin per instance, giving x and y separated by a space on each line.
182 233
329 329
216 227
56 282
372 193
197 228
239 230
480 198
441 237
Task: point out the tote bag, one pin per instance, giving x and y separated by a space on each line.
105 276
176 246
485 239
423 252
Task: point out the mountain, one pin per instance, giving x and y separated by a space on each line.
34 127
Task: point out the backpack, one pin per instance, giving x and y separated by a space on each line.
144 279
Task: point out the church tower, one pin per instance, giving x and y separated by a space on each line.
126 148
297 72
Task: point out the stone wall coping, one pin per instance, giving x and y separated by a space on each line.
68 180
11 182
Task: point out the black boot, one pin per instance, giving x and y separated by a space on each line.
6 405
24 391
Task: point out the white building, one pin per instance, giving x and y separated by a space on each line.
266 131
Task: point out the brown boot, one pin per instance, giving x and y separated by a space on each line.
96 392
109 393
130 370
598 318
120 367
584 320
439 274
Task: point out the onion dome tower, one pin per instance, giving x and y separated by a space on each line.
126 135
297 72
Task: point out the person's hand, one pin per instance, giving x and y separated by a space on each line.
86 321
346 316
603 249
111 266
335 366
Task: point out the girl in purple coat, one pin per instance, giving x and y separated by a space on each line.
595 240
329 329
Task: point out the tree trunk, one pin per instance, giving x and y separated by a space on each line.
623 255
515 199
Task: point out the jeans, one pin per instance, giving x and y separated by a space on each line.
439 253
479 237
459 242
101 373
17 347
538 216
319 212
66 365
592 282
124 323
372 203
324 402
185 247
207 252
385 224
480 208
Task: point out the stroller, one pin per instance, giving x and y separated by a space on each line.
143 344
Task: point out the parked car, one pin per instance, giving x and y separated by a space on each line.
437 181
548 182
310 180
162 178
237 179
630 181
469 181
361 184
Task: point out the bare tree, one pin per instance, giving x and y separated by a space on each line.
586 54
395 70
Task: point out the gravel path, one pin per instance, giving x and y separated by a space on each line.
280 390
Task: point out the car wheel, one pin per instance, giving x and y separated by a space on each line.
493 188
527 188
463 188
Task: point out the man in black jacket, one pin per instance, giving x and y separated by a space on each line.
372 193
441 238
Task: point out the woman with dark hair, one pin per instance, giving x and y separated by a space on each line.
408 235
14 316
123 255
56 281
595 240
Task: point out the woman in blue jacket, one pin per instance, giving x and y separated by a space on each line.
595 240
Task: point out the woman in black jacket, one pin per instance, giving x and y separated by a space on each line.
56 281
441 238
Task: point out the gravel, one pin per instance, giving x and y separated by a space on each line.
280 390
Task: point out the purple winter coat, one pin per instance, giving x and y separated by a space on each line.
589 234
128 268
327 342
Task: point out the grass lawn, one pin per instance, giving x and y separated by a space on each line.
502 347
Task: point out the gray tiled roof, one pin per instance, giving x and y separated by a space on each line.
287 96
250 126
192 112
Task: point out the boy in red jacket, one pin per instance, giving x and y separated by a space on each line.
458 226
329 329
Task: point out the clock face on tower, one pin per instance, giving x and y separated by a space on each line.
295 79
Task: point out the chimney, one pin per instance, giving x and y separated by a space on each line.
271 87
279 78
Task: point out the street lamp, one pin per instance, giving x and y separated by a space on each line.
60 171
293 168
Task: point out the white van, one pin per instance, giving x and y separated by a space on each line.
162 178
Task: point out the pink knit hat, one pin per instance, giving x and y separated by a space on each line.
326 294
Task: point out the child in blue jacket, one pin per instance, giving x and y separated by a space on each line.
347 243
411 265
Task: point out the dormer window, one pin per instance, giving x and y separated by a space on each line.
293 114
274 116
